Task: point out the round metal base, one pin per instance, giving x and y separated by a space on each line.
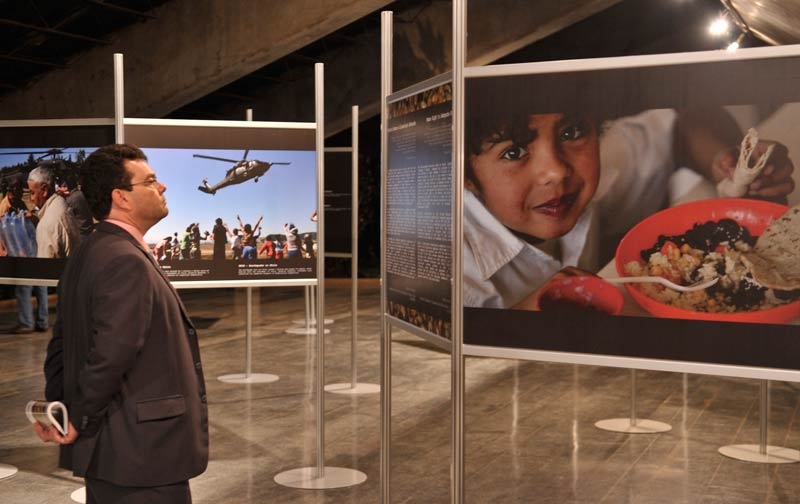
253 378
302 322
6 471
305 331
641 427
752 453
347 388
334 477
79 495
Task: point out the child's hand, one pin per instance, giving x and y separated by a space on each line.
775 181
531 302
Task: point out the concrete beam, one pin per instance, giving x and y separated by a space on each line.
191 49
422 49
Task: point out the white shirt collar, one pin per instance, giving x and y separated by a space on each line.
493 245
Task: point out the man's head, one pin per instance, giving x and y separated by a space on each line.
41 184
14 191
118 183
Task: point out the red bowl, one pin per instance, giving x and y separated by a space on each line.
581 293
754 215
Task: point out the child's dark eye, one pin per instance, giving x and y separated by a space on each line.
573 131
514 153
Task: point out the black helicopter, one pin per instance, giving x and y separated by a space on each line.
62 160
241 171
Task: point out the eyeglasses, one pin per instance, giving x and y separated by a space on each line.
150 182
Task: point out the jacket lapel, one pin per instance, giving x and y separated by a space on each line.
111 228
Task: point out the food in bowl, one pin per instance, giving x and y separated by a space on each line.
715 248
775 260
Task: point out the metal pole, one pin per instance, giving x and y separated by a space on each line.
320 120
248 335
119 99
307 300
312 303
386 330
457 305
633 397
248 331
763 416
354 251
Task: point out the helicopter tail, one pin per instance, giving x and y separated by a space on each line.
206 189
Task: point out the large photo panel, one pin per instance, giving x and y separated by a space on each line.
241 197
34 244
676 168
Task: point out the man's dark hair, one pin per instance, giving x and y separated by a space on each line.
103 171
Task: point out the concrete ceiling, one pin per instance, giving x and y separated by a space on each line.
216 58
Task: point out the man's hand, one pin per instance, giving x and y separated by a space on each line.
49 434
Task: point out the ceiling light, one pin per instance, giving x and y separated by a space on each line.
719 26
736 43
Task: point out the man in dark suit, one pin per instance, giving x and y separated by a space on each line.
124 355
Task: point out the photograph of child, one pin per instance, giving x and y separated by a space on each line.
546 192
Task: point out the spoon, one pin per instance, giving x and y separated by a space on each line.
663 281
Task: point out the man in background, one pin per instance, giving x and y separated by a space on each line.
13 204
56 236
70 189
57 232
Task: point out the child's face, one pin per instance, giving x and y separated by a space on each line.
539 186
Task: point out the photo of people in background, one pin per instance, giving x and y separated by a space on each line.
241 223
43 212
42 216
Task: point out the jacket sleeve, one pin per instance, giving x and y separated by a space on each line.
122 301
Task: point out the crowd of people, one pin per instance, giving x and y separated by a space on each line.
50 226
243 242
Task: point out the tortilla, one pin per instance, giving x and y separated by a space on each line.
744 174
775 260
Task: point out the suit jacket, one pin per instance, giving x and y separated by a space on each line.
124 358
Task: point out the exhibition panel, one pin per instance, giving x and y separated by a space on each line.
213 170
640 200
61 145
320 475
418 205
637 169
339 201
337 207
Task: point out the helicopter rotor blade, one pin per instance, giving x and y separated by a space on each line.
21 153
52 152
246 152
216 158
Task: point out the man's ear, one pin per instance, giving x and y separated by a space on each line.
118 198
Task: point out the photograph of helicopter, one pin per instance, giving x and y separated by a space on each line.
242 170
15 164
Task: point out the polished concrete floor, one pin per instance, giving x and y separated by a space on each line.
530 434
